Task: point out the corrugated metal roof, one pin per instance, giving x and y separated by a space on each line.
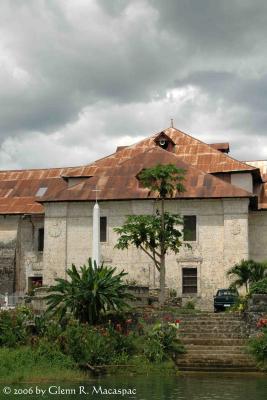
223 147
120 182
115 175
189 149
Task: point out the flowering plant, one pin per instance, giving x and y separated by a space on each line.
262 323
176 324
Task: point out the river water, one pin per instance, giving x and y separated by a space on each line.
152 387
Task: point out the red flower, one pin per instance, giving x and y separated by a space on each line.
262 322
118 327
177 321
167 318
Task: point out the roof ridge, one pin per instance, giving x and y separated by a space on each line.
206 144
36 169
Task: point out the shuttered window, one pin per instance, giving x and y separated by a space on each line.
189 280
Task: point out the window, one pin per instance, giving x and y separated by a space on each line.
190 228
189 280
103 229
34 282
40 239
41 191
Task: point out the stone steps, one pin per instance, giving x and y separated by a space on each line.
228 352
229 358
214 348
214 342
215 335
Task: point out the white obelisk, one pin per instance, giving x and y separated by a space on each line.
96 233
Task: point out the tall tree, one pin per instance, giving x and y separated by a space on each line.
156 234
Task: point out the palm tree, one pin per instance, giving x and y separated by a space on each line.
258 271
246 272
89 293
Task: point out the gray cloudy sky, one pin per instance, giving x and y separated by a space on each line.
79 77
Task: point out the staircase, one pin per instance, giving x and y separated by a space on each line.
214 342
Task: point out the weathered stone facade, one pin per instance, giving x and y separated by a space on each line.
20 259
8 241
222 240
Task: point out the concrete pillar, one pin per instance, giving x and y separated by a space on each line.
96 234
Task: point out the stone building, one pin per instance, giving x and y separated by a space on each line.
46 216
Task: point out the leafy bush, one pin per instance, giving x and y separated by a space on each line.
94 346
259 287
240 304
89 294
190 305
173 293
162 342
258 346
13 326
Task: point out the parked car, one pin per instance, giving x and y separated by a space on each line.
224 299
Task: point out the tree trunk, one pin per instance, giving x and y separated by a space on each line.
162 281
162 258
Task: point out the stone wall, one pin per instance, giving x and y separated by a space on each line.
7 267
29 259
8 237
258 235
222 240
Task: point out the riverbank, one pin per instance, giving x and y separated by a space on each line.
25 365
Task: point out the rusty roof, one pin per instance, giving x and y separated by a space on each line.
223 147
121 182
18 188
189 149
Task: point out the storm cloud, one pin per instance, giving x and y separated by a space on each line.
80 77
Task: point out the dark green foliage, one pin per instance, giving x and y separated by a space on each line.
190 305
247 272
163 179
24 362
13 326
88 294
156 234
144 231
87 345
259 287
258 346
162 343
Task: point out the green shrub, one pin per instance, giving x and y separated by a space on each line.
162 343
259 287
240 304
190 305
88 293
13 326
258 346
95 346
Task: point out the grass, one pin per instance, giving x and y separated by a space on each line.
139 365
26 365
